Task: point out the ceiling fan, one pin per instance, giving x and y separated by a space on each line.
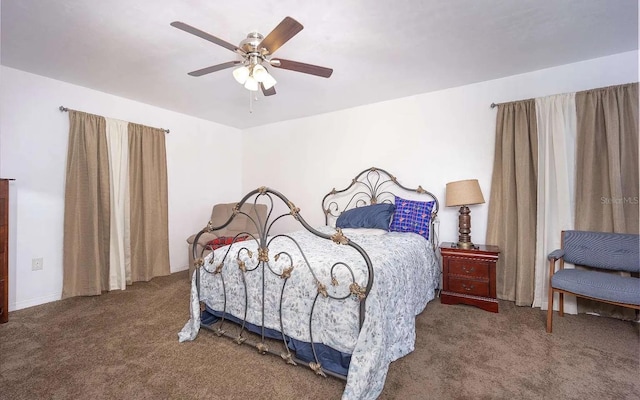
256 52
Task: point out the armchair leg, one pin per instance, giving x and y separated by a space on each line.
550 311
561 304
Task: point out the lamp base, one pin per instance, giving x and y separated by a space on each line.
464 229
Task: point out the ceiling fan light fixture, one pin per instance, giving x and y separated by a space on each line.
268 81
251 84
241 74
259 73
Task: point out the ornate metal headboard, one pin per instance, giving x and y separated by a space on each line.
372 186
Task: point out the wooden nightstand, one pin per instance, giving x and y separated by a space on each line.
469 276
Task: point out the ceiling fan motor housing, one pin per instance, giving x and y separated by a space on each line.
251 43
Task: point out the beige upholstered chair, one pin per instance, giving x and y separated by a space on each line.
219 215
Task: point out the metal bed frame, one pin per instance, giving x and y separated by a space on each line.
371 186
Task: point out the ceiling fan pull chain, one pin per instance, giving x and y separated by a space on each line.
250 102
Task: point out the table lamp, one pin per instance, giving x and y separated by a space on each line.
464 193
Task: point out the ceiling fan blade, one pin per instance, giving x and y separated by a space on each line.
281 34
214 68
206 36
268 92
302 67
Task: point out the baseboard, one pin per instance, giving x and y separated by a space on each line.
19 305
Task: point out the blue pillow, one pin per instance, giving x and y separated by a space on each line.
373 216
412 216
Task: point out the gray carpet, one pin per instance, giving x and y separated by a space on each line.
123 345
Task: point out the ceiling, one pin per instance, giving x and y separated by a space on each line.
379 50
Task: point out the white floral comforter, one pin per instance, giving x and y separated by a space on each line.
406 274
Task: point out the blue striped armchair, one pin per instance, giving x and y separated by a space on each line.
603 253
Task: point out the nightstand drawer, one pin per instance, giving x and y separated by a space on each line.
3 206
469 268
467 286
2 302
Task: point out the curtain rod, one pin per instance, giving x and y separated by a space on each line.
494 105
65 109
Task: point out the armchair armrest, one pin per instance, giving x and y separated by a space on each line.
556 255
553 257
205 238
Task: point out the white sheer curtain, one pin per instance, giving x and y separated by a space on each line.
119 243
556 119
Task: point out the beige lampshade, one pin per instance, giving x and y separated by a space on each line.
464 193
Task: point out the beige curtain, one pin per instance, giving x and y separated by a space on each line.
149 203
87 227
512 204
607 164
607 169
86 216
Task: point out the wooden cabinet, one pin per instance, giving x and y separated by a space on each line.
469 276
4 250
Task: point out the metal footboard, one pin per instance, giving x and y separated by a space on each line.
265 263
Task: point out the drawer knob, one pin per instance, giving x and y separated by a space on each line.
467 288
467 269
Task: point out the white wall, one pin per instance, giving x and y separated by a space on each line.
428 139
34 135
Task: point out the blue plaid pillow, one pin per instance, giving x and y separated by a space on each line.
412 216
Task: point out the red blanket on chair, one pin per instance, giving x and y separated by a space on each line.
224 240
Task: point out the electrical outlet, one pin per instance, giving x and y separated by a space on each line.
36 264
